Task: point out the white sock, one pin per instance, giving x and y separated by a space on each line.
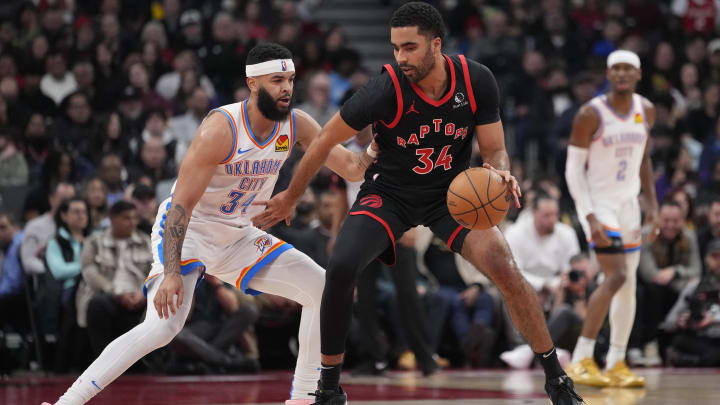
295 276
124 351
622 311
615 354
584 348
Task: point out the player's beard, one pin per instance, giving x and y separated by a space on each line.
268 106
422 70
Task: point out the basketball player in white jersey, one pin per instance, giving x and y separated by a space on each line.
608 163
205 225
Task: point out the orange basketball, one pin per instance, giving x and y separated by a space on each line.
478 199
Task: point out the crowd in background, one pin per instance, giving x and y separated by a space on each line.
99 101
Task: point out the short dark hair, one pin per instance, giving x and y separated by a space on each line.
668 202
121 207
267 51
541 195
422 15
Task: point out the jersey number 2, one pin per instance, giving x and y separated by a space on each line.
443 160
229 207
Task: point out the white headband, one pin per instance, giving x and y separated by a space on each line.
623 56
270 66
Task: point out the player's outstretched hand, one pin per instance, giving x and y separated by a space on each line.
164 301
511 182
276 209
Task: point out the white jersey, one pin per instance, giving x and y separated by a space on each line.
616 152
248 173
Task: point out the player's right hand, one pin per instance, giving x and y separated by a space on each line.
164 301
597 231
277 208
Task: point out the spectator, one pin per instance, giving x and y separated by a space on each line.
96 193
39 231
168 84
695 318
499 50
156 126
139 78
711 231
57 82
154 162
183 127
191 24
702 123
111 172
667 265
317 103
11 274
32 96
109 137
13 167
75 129
697 16
223 55
63 261
143 196
115 263
457 293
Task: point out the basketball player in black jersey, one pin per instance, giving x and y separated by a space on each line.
425 109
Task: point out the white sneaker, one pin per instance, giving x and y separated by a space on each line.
635 357
520 357
564 357
299 402
652 354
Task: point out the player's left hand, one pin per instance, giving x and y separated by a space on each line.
652 220
277 208
510 181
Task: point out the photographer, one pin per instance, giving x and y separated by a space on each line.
696 318
568 312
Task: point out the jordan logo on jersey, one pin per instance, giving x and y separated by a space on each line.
412 109
282 144
263 243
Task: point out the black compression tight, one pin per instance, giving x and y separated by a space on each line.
360 241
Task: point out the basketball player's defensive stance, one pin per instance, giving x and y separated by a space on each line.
425 108
608 161
205 225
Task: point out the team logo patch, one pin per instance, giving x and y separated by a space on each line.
282 144
638 118
460 100
372 201
283 65
263 243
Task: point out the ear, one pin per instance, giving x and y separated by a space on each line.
437 44
251 84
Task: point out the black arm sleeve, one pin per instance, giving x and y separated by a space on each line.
487 95
374 101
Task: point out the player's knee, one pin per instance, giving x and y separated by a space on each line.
162 331
342 271
616 280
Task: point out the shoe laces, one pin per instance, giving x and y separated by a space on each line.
565 387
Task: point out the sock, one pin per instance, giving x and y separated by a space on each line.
550 364
615 354
584 348
330 377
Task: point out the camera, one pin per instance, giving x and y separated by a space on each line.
575 275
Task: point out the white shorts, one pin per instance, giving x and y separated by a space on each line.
621 220
232 254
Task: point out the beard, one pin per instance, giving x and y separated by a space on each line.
421 71
268 106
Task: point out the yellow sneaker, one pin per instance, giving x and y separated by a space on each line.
407 361
620 376
586 372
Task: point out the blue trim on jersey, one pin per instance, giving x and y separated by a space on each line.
234 130
250 132
184 270
633 249
612 234
258 266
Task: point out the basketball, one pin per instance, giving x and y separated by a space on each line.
478 199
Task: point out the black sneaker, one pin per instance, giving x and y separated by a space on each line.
370 367
561 391
330 397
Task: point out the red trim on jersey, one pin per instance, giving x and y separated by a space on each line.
468 84
438 103
398 95
387 228
453 236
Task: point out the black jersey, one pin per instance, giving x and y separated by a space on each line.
424 143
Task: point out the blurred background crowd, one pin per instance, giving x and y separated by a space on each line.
99 101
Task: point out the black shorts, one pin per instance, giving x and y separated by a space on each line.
397 216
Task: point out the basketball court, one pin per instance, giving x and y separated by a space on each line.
472 387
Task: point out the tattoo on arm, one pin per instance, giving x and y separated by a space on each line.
175 227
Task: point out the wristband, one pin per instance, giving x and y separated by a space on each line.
371 152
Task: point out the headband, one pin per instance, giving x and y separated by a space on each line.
270 66
623 56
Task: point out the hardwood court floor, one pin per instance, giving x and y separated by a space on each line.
476 387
